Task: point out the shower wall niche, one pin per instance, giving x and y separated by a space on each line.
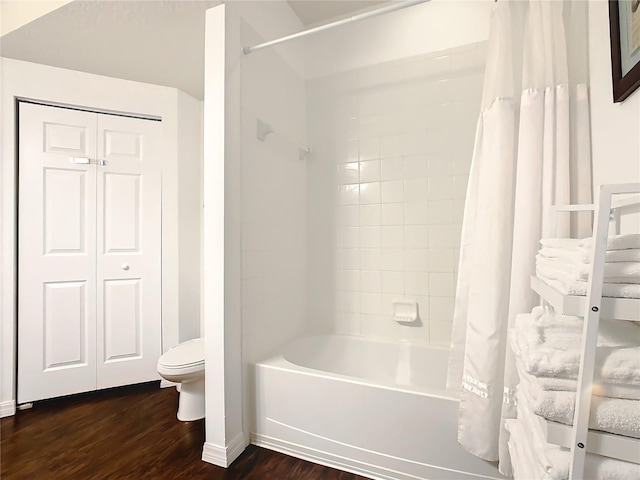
392 147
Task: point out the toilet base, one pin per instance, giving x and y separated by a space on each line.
191 403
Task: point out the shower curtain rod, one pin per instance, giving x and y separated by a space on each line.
321 28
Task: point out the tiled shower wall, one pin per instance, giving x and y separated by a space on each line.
392 150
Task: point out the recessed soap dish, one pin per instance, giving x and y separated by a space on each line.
405 312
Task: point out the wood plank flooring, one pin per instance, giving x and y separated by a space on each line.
129 433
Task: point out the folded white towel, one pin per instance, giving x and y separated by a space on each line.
615 290
554 351
613 415
583 255
618 272
614 242
555 460
611 390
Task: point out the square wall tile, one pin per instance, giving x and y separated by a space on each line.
415 190
441 284
348 173
441 212
441 236
348 280
371 281
416 260
416 283
349 194
392 191
416 236
369 193
393 282
348 237
370 303
369 215
392 236
441 309
416 166
348 258
348 302
370 259
348 216
370 171
441 188
442 260
416 213
392 259
369 237
440 332
392 214
347 323
392 168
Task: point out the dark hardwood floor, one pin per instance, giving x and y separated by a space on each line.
129 433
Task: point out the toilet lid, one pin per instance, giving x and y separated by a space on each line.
185 354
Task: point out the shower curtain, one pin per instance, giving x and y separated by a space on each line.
532 150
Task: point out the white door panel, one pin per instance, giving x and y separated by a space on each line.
129 256
57 253
89 286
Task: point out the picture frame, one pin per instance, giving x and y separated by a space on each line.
624 24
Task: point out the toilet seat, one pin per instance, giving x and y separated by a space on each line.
188 355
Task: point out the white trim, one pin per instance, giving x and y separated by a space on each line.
224 456
236 447
7 409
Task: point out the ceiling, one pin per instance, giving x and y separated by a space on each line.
144 41
318 11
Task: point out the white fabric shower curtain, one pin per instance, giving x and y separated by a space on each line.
532 150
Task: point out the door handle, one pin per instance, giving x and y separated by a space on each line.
102 163
80 160
124 266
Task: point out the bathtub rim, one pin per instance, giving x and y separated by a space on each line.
279 362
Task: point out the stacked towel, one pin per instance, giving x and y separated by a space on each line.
547 347
564 264
533 460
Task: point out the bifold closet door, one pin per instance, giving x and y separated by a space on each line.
128 246
89 272
56 252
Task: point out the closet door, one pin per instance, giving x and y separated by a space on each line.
129 254
56 252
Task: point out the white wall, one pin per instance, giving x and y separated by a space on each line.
428 27
28 80
274 214
226 436
397 94
189 214
615 127
387 184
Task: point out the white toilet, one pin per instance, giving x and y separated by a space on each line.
184 364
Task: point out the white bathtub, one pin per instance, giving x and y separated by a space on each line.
373 408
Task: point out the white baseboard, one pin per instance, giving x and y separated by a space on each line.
7 409
166 383
224 456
